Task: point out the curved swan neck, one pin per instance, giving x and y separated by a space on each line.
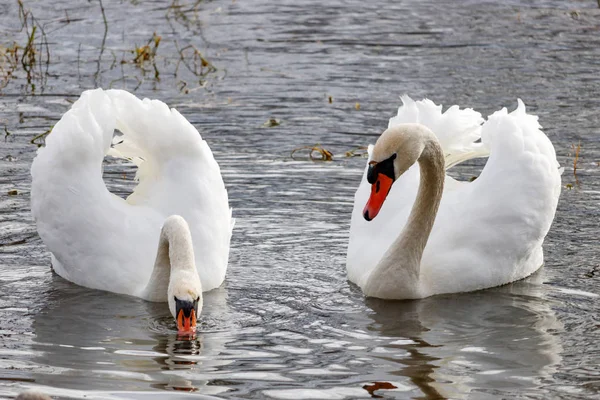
413 237
175 255
400 266
177 240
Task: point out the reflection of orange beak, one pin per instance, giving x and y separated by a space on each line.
186 325
379 191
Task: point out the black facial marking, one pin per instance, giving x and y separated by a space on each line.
385 167
186 306
377 186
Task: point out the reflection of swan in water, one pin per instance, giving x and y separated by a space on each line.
86 338
494 339
32 395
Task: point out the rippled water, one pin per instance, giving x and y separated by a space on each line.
286 323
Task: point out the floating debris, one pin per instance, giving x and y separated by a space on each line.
360 151
147 54
271 122
357 106
330 99
323 154
199 65
326 155
13 192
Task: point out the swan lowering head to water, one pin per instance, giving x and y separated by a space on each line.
175 273
169 239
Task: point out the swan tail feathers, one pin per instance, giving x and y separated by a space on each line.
523 164
454 158
151 128
458 130
518 132
152 134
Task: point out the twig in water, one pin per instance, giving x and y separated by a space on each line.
360 151
40 136
201 66
97 74
576 157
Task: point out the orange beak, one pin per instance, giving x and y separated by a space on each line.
379 191
186 325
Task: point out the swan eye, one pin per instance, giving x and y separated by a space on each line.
385 167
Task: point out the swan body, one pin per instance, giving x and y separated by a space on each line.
102 241
437 235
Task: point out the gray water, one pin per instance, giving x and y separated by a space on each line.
286 323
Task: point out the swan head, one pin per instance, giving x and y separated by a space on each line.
395 151
185 302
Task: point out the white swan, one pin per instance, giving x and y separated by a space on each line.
102 241
452 236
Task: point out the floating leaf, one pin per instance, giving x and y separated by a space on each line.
378 386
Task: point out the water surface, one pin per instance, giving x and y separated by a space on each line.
286 324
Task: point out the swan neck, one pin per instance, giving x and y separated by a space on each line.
176 241
413 238
399 269
175 254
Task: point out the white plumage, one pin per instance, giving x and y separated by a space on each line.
487 232
102 241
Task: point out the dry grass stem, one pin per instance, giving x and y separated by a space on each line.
194 61
41 136
360 151
576 151
147 54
